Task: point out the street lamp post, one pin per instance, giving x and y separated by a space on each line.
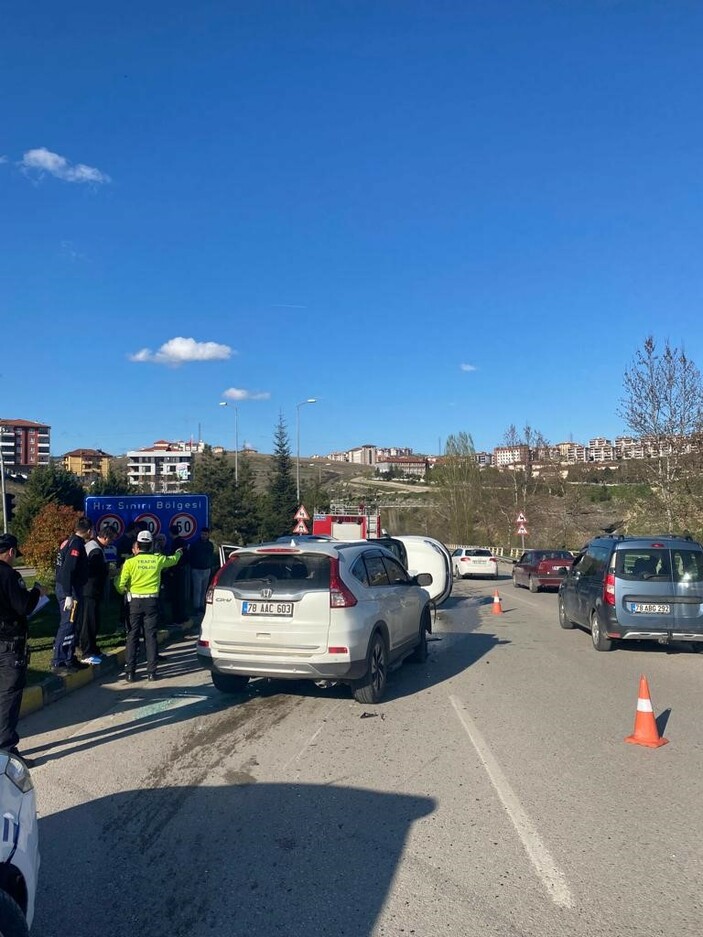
297 427
225 403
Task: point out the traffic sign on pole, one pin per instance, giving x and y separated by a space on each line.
301 514
300 528
522 530
521 519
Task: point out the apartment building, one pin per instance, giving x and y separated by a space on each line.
163 467
511 456
408 465
25 445
87 464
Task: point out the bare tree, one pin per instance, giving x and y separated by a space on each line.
663 406
458 483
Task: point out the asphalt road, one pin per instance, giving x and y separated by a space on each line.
491 794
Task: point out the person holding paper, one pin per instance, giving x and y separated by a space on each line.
17 603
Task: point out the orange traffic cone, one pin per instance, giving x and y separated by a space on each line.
646 732
497 608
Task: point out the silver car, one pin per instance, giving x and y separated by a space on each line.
346 612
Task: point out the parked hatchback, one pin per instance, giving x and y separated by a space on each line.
542 569
474 561
635 588
345 612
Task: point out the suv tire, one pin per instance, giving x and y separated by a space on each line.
419 655
601 642
515 585
564 621
533 585
372 686
229 682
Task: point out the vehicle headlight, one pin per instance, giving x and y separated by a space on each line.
18 772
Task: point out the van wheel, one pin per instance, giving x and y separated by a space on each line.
372 686
534 585
419 655
601 642
229 682
12 921
563 620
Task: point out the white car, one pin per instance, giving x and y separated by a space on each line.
474 561
321 611
427 555
19 850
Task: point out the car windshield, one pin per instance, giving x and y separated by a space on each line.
659 564
277 571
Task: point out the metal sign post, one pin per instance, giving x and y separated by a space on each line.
2 488
521 520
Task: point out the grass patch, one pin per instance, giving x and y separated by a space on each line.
44 625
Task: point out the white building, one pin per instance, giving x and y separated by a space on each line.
160 469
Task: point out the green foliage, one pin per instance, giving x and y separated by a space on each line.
45 485
115 483
234 508
50 527
279 503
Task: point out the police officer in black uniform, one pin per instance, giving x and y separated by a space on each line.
16 603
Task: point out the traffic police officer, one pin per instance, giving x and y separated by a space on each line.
16 603
140 580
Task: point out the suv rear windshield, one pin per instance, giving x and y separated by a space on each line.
479 553
660 565
276 571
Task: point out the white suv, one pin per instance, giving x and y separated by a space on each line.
19 846
345 612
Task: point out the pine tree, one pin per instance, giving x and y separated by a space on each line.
280 498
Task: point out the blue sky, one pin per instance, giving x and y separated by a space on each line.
433 217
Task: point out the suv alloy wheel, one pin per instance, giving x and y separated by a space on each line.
372 686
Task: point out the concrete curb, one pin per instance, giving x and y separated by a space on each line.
53 688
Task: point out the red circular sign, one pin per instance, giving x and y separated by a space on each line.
152 522
111 520
186 525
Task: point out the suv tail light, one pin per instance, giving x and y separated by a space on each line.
609 589
213 583
341 595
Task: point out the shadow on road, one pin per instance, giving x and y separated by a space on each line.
245 859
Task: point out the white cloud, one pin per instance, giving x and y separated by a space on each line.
468 367
3 159
42 161
238 393
177 351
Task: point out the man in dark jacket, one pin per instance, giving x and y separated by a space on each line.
16 603
201 557
71 576
93 593
178 579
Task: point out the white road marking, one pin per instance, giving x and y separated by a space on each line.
546 868
312 738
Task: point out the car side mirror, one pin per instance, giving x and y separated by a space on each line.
423 579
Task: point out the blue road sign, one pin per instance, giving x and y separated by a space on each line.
190 513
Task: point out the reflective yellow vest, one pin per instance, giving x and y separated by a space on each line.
141 574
